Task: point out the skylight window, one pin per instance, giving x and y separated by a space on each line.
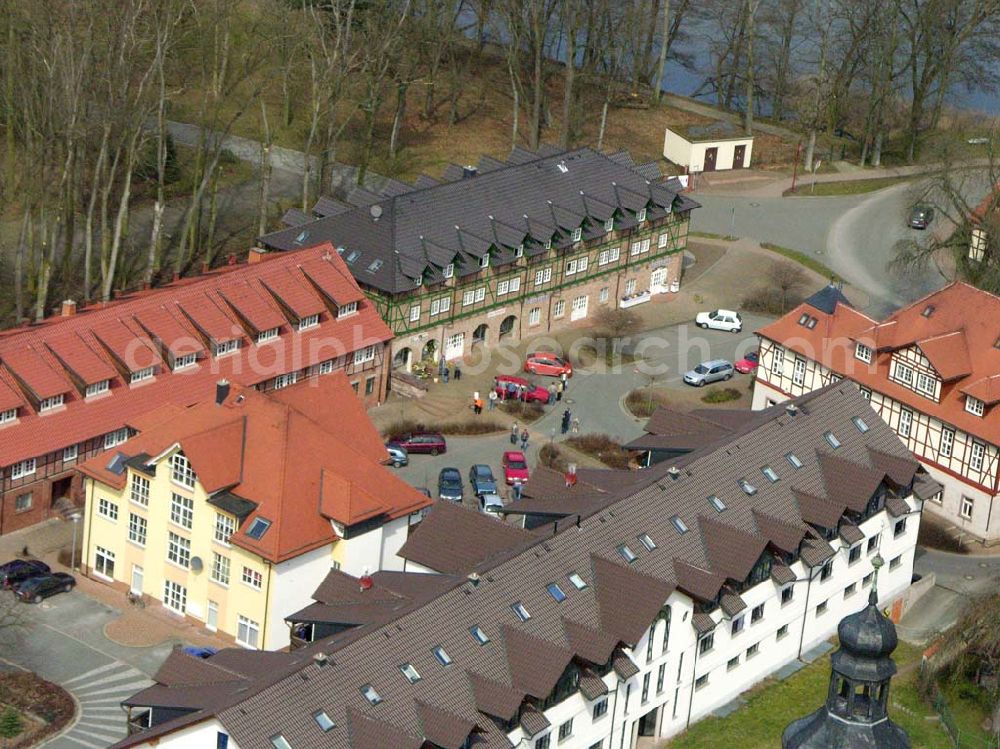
556 592
442 655
794 460
646 541
258 528
804 319
578 582
374 266
352 256
860 424
747 487
411 674
280 742
812 323
717 503
679 524
370 694
478 633
770 473
324 721
832 440
522 613
627 554
302 237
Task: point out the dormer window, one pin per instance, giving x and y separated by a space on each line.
369 693
47 404
484 261
577 234
309 321
146 373
181 470
449 270
267 335
345 310
641 215
98 388
411 674
548 244
626 553
226 347
863 353
974 406
521 611
609 225
184 361
8 416
519 252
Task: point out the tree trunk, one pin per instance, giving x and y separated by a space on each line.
537 92
265 172
121 217
810 150
567 115
514 119
661 63
604 122
877 150
88 238
19 270
397 120
751 11
11 171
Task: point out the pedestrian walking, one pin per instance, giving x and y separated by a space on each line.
552 394
477 403
511 390
513 433
565 420
524 440
492 399
447 374
564 380
518 488
458 372
576 425
559 391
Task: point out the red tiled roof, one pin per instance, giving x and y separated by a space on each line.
250 304
301 473
79 357
206 315
956 328
131 332
294 293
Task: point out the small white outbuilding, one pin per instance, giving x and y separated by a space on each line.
708 148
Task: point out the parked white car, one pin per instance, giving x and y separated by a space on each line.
720 319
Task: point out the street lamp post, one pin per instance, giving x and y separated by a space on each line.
75 517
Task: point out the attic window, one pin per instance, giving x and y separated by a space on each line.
280 742
352 256
770 473
302 237
449 270
556 592
411 674
812 323
646 541
97 388
717 503
442 655
679 524
808 321
804 319
47 404
347 309
831 440
578 582
747 487
609 225
309 321
519 252
641 215
478 633
374 266
548 244
928 310
975 406
860 424
324 721
258 528
626 553
522 613
794 460
370 694
577 234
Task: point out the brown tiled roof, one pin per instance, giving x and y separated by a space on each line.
533 721
925 487
781 574
897 506
627 601
624 666
703 623
442 728
698 582
782 534
732 604
731 552
592 686
815 552
590 643
850 533
535 664
493 698
900 470
848 482
818 511
369 733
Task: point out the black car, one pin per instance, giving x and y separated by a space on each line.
450 484
481 478
34 589
921 217
18 570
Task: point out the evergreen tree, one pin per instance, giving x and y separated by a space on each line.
11 724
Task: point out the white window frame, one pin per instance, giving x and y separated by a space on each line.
22 469
503 287
140 375
70 453
175 597
415 313
977 455
449 270
661 241
926 385
519 252
468 297
535 316
577 234
47 404
107 509
346 310
221 569
609 225
225 348
480 294
181 471
484 261
559 308
284 380
903 373
138 528
975 406
799 371
640 216
8 416
184 361
139 488
103 557
579 303
267 335
365 354
252 578
97 388
247 632
905 423
178 550
309 321
947 442
111 439
863 353
966 507
181 510
543 276
225 527
604 294
630 286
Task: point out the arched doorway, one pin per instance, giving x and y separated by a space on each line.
507 326
429 351
479 334
403 359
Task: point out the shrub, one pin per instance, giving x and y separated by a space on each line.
641 403
603 447
468 427
551 456
721 395
527 412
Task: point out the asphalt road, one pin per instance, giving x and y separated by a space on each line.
596 398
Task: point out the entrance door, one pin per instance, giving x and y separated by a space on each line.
454 346
647 724
658 281
711 156
212 620
137 575
739 154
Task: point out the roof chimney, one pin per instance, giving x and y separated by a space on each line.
469 171
675 472
474 578
256 254
68 308
791 409
321 659
221 391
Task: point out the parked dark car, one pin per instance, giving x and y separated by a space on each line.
481 478
920 217
18 570
425 442
34 589
450 484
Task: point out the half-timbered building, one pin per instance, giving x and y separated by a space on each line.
932 372
505 249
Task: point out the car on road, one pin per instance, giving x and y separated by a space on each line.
18 570
748 363
920 217
708 372
526 391
720 319
515 467
34 589
450 484
423 442
545 363
481 478
398 457
491 504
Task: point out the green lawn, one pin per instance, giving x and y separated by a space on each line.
772 705
848 187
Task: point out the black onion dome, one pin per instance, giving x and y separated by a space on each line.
868 633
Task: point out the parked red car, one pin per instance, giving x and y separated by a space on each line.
420 443
748 363
525 391
515 467
545 363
